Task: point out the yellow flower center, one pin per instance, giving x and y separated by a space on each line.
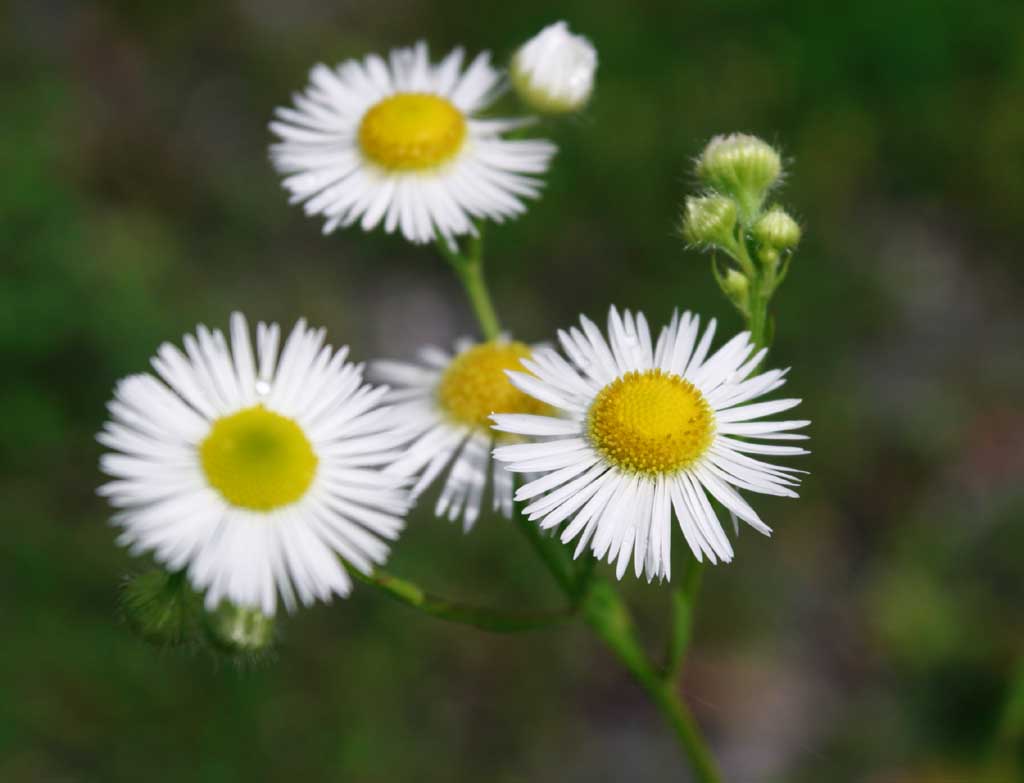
650 422
475 385
410 131
258 459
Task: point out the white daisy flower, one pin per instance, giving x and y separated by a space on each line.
553 72
648 430
445 401
400 142
254 471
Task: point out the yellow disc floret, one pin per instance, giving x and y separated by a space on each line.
651 422
475 385
411 131
258 459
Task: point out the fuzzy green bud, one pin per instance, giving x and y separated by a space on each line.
240 630
741 166
736 285
776 229
161 608
709 220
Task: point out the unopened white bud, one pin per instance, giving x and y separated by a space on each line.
553 72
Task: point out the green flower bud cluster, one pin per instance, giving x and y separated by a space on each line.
164 610
738 172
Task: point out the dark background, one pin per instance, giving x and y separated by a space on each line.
874 638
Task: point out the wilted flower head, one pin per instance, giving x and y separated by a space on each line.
553 72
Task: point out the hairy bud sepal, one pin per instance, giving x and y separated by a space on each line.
741 166
242 633
162 608
710 221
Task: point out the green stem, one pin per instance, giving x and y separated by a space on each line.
1008 748
756 314
684 599
469 268
603 608
486 619
606 613
552 552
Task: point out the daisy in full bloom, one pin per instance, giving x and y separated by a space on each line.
644 431
445 402
254 470
399 141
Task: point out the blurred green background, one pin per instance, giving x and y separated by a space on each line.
874 638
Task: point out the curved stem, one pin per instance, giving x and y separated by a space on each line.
484 618
607 614
469 268
552 552
684 599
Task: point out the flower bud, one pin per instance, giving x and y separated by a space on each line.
776 229
709 220
240 630
735 284
161 608
741 166
553 72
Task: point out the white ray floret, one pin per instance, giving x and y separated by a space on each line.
444 402
400 143
255 470
645 431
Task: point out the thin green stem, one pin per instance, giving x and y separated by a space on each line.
469 268
484 618
684 599
739 252
584 574
608 616
1008 746
551 552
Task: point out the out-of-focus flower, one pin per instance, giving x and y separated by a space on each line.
553 72
399 143
254 470
643 429
446 401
